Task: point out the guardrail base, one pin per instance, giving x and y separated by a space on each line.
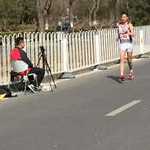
67 75
143 56
100 67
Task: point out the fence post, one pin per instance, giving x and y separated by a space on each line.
142 55
98 53
142 52
141 42
98 49
65 60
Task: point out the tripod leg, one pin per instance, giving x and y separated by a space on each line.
51 75
52 78
39 60
49 79
50 72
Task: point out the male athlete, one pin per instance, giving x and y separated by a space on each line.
126 33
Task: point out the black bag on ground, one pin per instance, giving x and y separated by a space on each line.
6 90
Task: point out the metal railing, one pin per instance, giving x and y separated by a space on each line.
71 52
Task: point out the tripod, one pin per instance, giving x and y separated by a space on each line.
46 67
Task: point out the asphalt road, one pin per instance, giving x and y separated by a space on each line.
75 117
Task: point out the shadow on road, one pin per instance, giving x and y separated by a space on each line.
115 78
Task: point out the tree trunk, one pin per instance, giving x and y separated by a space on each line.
41 18
90 19
95 15
71 15
41 22
46 23
91 5
43 11
112 10
96 9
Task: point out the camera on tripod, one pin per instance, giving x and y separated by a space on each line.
42 49
46 66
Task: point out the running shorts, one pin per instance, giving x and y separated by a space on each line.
126 47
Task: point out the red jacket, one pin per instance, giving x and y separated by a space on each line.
18 54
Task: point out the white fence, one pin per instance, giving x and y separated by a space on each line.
71 52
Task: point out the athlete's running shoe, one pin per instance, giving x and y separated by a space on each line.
122 77
131 75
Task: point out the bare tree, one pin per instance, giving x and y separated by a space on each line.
59 8
93 7
44 8
112 11
97 6
90 4
122 5
71 2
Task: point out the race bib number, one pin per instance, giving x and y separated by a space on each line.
124 37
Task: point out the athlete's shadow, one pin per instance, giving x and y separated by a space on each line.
115 78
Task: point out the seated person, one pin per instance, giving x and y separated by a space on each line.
18 53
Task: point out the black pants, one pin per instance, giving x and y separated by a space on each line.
39 72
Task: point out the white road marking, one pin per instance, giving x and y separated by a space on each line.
123 108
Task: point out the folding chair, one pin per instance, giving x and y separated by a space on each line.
19 66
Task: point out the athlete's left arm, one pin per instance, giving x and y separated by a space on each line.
131 28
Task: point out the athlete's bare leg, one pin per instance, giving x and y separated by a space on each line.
122 58
129 59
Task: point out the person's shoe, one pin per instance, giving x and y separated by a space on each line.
131 75
39 88
122 77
